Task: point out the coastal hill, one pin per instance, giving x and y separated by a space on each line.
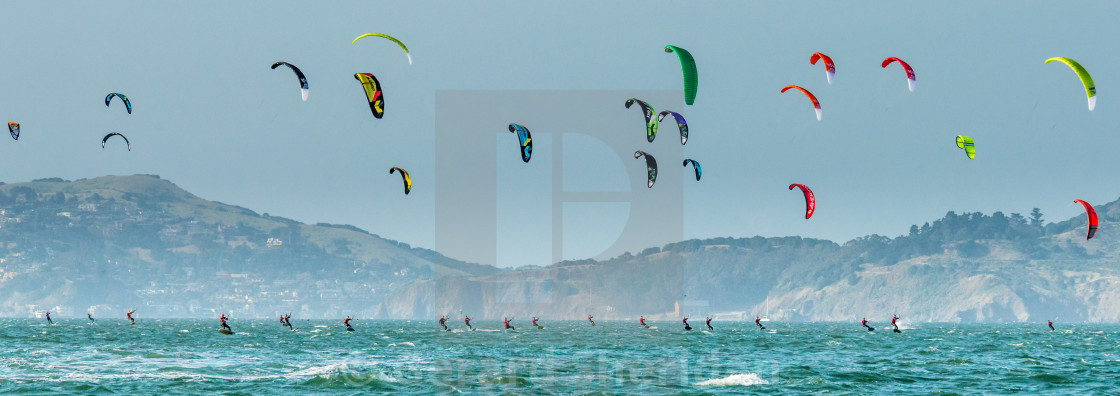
968 267
113 243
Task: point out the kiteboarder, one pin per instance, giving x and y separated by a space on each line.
589 319
347 323
467 320
505 322
129 315
90 316
708 322
642 321
225 326
288 321
535 323
1051 324
443 322
685 321
49 321
894 322
757 322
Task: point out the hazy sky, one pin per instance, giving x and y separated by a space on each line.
210 115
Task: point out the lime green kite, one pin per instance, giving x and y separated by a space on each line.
1086 80
965 143
387 37
688 69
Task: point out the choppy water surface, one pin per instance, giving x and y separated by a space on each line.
190 356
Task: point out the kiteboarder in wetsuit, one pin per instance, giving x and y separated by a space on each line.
288 321
642 321
222 319
535 322
505 322
894 322
49 321
347 323
1051 324
589 319
90 316
685 321
708 322
129 315
757 322
443 322
467 320
864 323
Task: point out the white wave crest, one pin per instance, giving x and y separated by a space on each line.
319 370
735 380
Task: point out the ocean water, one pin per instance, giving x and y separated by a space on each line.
569 357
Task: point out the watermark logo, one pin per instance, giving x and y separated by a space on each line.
582 195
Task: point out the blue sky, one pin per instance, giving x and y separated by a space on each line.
212 117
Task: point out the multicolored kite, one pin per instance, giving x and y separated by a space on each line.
303 91
816 104
127 104
965 143
651 121
104 139
810 201
1092 214
404 177
682 125
525 139
651 167
374 95
829 67
1086 80
695 166
910 79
